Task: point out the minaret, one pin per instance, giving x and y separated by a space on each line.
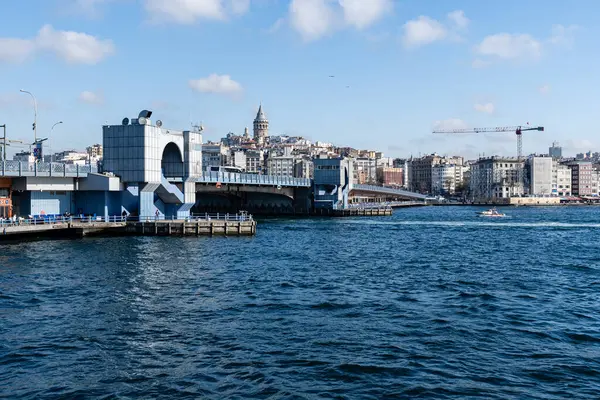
261 127
246 134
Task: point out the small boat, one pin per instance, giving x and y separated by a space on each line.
492 212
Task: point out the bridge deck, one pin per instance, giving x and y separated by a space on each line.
389 191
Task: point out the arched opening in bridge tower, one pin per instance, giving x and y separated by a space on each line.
172 162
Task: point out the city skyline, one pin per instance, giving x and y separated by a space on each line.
397 67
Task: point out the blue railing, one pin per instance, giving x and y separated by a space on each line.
60 219
252 179
385 204
387 190
22 168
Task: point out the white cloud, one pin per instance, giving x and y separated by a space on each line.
91 97
451 123
487 108
72 47
314 19
219 84
190 11
311 18
544 89
15 50
458 19
506 46
510 46
425 30
361 13
422 31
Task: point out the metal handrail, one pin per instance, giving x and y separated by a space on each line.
240 178
23 168
59 219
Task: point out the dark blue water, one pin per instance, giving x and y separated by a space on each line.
429 303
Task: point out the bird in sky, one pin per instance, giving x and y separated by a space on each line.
332 76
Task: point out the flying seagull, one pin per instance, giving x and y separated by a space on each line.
332 76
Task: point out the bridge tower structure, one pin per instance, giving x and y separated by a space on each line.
333 181
157 166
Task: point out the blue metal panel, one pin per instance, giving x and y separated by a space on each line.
50 203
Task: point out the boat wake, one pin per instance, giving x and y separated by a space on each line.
494 223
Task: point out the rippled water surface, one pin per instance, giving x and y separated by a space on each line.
430 303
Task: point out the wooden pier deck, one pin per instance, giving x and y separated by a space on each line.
115 226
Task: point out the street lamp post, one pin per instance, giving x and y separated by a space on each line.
51 129
34 115
3 143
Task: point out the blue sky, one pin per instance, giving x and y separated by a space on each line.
410 66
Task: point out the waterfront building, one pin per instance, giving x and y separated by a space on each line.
496 177
542 180
581 178
595 183
446 178
390 176
261 127
561 180
420 170
332 182
555 151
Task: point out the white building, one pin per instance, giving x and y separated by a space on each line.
254 161
446 178
214 155
281 165
238 159
561 179
303 168
496 177
595 183
365 170
24 156
542 172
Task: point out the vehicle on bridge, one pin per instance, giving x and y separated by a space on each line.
236 170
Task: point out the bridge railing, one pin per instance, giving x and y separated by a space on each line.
252 179
61 219
389 190
384 204
22 168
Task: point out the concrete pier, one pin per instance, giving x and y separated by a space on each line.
230 225
192 228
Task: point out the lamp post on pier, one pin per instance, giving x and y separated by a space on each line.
3 142
34 114
51 129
